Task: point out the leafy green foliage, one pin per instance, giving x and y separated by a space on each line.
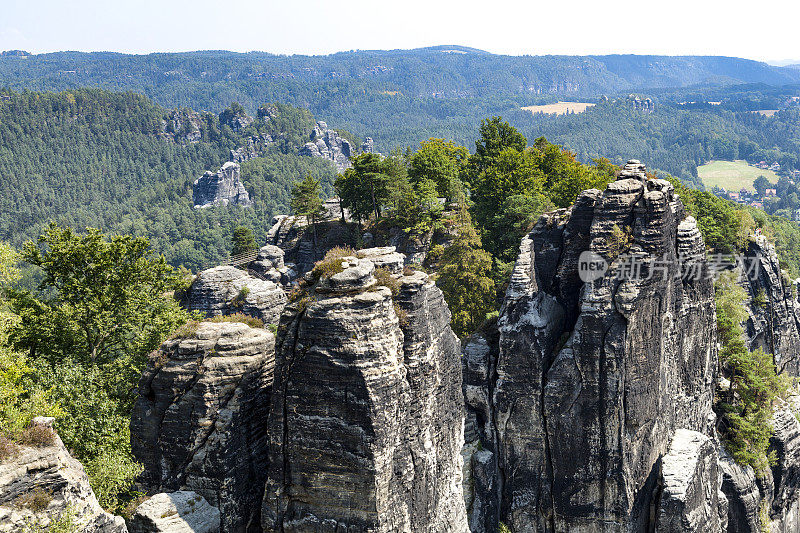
442 162
745 408
364 188
242 241
106 297
465 279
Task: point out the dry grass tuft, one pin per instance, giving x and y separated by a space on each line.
7 448
385 279
37 436
37 500
332 264
251 321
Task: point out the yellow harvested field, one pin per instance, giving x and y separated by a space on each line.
766 112
559 108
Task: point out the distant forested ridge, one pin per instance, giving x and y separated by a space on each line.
116 161
398 97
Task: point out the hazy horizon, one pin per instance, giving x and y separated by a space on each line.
508 27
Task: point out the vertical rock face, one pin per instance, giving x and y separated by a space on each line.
223 187
594 378
198 423
774 321
51 472
691 501
366 425
225 290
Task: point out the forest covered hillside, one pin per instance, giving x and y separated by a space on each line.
120 162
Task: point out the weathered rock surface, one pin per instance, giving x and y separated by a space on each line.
176 512
784 501
366 427
199 421
593 379
269 265
327 144
384 257
50 470
774 325
742 492
223 187
691 501
225 290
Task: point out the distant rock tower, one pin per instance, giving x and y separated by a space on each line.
223 187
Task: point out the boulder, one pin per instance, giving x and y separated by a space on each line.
176 512
384 257
199 420
225 290
39 485
221 188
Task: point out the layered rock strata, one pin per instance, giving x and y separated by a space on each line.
221 188
41 485
365 429
198 423
327 144
592 380
225 290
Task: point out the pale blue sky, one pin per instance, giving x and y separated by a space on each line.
315 26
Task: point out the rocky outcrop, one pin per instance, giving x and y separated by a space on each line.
269 265
774 321
592 379
199 420
40 485
691 501
176 512
183 126
365 429
327 144
225 290
221 188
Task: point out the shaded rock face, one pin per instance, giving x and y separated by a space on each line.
691 501
784 500
198 423
775 325
744 498
366 425
223 187
225 290
269 265
51 470
327 144
176 512
592 379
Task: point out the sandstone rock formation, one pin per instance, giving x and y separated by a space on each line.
223 187
199 420
774 321
53 474
365 428
269 265
225 290
691 501
176 512
592 380
328 144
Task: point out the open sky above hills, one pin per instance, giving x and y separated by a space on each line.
679 27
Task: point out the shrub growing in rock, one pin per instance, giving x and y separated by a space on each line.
37 436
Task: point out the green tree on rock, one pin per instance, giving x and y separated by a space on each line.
441 161
306 201
242 241
364 188
465 279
